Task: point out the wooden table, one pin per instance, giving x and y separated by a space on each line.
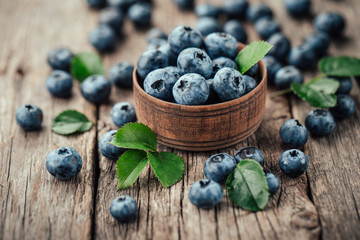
323 203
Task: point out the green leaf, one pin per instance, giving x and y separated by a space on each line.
340 66
168 167
71 121
251 54
129 167
135 136
318 93
86 64
247 186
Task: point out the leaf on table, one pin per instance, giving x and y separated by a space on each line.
168 167
319 93
86 64
251 54
129 166
247 186
135 136
71 121
342 66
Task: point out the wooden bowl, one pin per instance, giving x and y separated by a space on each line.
205 127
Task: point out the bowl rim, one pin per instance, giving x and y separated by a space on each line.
203 108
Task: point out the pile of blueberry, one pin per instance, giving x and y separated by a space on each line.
112 17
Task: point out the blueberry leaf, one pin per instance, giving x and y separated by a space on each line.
342 66
71 121
129 166
135 136
168 167
318 93
251 54
86 64
247 186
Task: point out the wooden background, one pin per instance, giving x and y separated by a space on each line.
323 203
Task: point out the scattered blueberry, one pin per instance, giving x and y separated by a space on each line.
320 122
205 194
59 84
344 108
273 183
257 11
302 57
195 60
272 67
184 4
191 89
286 76
107 149
60 59
121 74
159 84
183 37
151 60
29 117
281 47
250 83
345 85
207 10
174 70
221 45
235 8
112 18
103 38
97 3
318 43
236 29
293 162
121 113
221 62
250 153
266 27
64 163
155 33
332 24
140 14
293 133
123 209
219 166
121 5
96 89
207 25
298 8
229 84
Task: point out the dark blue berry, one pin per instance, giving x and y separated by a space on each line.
273 183
121 74
344 108
253 71
140 14
184 4
159 84
332 24
320 122
205 194
293 133
195 60
221 45
207 25
281 47
96 3
60 59
221 62
257 11
229 84
345 85
151 60
96 89
298 8
266 26
171 55
250 153
236 29
272 67
108 150
250 83
286 76
123 209
122 113
219 166
183 37
293 162
103 38
235 8
112 18
155 33
302 57
207 10
121 5
29 117
174 70
59 84
318 43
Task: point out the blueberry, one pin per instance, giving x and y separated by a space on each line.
183 37
159 84
286 76
64 163
219 166
236 29
96 89
156 43
121 74
96 3
302 57
174 70
273 183
344 108
253 71
205 194
191 89
332 24
266 26
121 5
207 25
221 45
250 83
151 60
60 59
250 153
293 162
123 209
59 84
122 113
171 56
293 133
235 8
229 84
155 33
140 14
281 47
272 67
29 117
195 60
320 122
319 43
298 8
213 98
255 12
112 18
221 62
345 85
107 149
184 4
103 38
207 10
